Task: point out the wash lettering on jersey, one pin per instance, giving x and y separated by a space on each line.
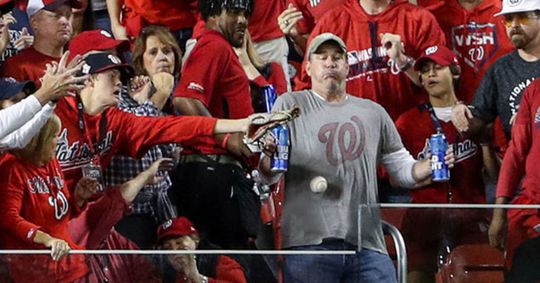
475 43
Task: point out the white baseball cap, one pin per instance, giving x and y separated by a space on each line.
518 6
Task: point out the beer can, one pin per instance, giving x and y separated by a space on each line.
439 168
270 96
280 159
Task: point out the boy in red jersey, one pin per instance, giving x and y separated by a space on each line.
439 71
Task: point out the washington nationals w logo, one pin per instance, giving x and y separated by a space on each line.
350 138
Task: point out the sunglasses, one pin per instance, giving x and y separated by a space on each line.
522 18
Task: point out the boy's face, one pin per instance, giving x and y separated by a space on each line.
436 79
5 103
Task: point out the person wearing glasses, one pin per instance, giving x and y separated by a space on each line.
501 87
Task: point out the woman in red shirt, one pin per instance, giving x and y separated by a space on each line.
36 207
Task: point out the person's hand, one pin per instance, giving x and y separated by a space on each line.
237 147
449 157
85 189
162 164
59 248
496 232
60 80
140 88
461 114
163 82
288 20
8 19
394 47
119 31
25 40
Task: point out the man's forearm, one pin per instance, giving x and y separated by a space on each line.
421 170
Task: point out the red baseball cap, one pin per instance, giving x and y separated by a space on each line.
94 40
6 6
439 54
176 227
35 6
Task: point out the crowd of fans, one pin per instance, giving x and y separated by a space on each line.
142 125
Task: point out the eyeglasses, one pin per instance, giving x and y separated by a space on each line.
522 18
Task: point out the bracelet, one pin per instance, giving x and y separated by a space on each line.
225 140
409 62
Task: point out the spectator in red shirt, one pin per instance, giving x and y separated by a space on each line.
446 228
37 207
50 21
129 17
475 35
179 234
213 83
383 38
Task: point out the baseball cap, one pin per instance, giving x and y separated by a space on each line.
102 61
518 6
6 6
94 40
322 38
439 54
176 227
35 6
9 87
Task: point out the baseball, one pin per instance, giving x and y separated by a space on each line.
318 185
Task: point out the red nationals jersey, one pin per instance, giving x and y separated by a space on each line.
172 14
477 38
263 23
312 12
28 65
125 134
372 74
466 186
35 198
523 154
426 3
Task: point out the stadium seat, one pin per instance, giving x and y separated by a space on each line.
479 263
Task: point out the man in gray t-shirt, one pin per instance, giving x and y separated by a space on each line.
501 88
340 138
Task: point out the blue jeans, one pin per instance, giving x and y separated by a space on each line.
366 266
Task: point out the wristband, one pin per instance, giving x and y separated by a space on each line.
225 140
409 62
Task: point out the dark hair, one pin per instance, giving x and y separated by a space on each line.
209 8
166 37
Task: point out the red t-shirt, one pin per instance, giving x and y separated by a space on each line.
263 24
29 64
523 154
371 74
125 134
312 12
35 198
415 128
175 15
476 37
213 75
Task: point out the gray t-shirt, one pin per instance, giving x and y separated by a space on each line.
501 88
343 143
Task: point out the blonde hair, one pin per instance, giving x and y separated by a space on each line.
36 150
254 57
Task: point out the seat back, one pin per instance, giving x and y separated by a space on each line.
479 263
